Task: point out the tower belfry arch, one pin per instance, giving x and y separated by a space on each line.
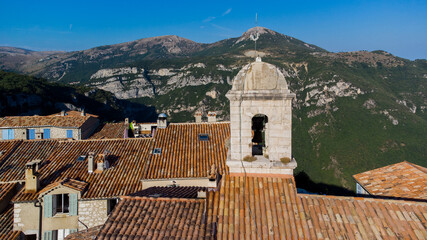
261 121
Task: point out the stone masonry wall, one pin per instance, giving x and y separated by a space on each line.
92 213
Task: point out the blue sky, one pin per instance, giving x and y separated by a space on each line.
399 27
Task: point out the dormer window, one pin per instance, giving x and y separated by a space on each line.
203 137
157 151
81 158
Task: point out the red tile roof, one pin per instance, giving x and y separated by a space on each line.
85 234
170 192
73 114
155 218
270 208
403 180
128 157
12 167
255 208
330 217
183 155
70 183
39 121
6 189
109 130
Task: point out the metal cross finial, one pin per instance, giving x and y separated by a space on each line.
254 37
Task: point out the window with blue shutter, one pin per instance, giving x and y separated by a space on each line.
69 133
73 204
46 133
47 206
31 134
8 134
48 235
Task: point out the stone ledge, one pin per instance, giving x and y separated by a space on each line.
261 165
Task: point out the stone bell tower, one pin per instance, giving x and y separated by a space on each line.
261 121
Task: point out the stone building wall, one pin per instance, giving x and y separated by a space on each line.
278 128
92 213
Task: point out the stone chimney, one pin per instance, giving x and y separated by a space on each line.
100 163
162 120
91 162
127 121
211 116
32 184
62 113
83 113
198 116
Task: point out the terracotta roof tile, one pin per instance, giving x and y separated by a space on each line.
183 155
403 180
127 160
170 192
85 234
73 114
155 218
36 121
70 183
364 218
109 130
255 208
12 167
6 189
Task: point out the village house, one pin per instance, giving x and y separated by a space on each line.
71 124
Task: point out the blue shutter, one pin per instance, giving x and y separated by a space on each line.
69 133
5 133
11 134
48 235
31 134
73 204
46 133
47 206
8 134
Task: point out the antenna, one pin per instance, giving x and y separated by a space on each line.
256 36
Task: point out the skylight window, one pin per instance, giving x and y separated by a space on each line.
157 151
203 137
81 158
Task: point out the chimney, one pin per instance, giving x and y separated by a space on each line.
62 113
198 116
100 163
201 194
91 162
127 121
162 120
211 116
83 113
32 184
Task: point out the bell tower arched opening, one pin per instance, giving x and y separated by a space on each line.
259 126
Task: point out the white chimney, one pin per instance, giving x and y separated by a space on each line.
211 116
83 113
198 116
62 113
162 120
127 121
91 162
